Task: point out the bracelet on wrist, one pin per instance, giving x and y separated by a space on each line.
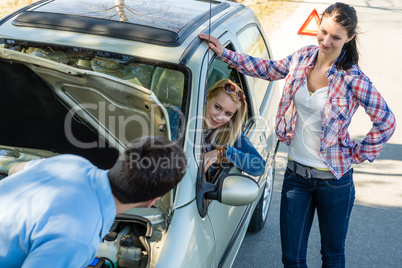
221 153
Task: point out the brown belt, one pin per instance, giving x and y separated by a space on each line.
309 172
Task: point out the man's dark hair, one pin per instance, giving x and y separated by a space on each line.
148 168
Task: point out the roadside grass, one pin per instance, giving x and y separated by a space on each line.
8 6
271 12
264 8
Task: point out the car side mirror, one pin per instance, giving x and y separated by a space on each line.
231 189
236 190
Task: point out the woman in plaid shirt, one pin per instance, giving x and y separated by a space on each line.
323 88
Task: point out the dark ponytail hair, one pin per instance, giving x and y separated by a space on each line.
346 16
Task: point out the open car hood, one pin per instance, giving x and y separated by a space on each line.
120 111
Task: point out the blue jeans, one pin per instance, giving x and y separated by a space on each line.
333 200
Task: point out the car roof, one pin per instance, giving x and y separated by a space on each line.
160 22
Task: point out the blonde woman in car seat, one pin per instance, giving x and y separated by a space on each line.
223 140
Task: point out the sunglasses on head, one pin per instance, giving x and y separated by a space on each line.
230 88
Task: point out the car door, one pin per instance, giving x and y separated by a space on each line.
229 223
265 93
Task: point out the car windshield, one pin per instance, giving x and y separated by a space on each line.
166 81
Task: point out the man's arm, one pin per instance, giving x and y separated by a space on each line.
60 253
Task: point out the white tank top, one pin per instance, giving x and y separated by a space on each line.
305 145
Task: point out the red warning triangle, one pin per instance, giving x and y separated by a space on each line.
310 29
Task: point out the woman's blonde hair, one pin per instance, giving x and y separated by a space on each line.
228 133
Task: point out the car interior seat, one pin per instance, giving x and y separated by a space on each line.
215 75
139 74
168 85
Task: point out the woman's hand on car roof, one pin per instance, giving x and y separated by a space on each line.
214 43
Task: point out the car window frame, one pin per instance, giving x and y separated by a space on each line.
250 115
249 79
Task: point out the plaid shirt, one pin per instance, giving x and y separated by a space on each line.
347 90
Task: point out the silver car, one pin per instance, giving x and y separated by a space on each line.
86 77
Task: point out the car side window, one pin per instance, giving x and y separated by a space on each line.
168 87
219 70
253 44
